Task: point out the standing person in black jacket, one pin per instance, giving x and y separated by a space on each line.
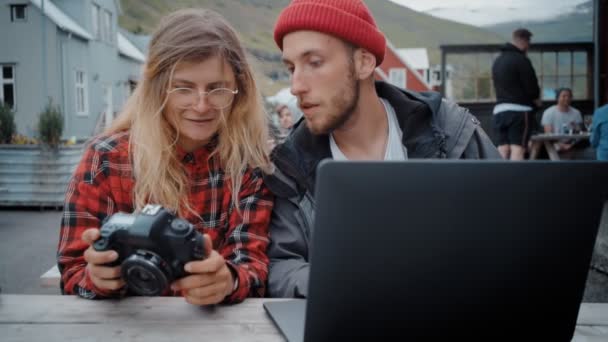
517 96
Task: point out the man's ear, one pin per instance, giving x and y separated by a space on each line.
365 63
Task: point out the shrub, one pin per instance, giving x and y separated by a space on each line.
7 124
19 139
50 124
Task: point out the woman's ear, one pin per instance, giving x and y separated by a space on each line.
365 63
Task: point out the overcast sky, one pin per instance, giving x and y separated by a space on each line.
484 12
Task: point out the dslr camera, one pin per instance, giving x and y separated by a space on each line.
153 247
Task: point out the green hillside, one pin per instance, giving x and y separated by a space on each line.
254 20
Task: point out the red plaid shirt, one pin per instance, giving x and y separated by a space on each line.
103 184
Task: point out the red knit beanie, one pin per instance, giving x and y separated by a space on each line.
350 20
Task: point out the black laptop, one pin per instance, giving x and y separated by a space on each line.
448 250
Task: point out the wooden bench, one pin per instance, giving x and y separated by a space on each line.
51 278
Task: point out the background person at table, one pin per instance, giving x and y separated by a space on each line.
331 48
561 115
599 133
517 96
193 131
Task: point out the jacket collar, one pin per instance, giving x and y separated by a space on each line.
416 113
511 47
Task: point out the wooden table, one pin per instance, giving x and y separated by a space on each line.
69 318
549 139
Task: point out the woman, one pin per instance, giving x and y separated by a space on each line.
192 138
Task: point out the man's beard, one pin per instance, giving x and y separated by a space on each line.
343 104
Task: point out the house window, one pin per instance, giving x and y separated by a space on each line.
102 24
95 20
559 69
18 12
106 26
7 82
396 76
81 93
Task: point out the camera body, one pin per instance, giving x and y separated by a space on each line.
153 247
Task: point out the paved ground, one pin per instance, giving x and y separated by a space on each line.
28 242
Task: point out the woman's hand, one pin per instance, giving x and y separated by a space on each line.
103 276
210 280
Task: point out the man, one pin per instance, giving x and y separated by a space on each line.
517 95
563 118
562 114
331 48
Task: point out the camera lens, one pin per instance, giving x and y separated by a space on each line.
146 273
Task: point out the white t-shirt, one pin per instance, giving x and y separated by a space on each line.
556 118
394 148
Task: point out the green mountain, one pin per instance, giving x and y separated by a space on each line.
575 26
254 20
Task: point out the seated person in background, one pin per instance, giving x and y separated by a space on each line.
599 133
285 119
561 118
191 138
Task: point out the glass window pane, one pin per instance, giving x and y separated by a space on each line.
579 88
564 82
21 12
9 95
80 100
564 59
580 63
485 64
464 89
549 67
457 88
548 87
7 72
484 88
535 59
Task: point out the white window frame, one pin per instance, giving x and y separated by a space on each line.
81 87
4 81
398 77
14 13
95 9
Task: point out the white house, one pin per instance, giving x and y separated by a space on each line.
70 51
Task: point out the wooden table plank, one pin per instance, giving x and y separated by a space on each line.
547 140
70 318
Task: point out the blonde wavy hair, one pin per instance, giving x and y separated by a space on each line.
190 35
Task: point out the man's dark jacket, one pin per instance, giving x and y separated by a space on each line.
514 77
432 128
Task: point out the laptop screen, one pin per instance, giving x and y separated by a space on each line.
446 249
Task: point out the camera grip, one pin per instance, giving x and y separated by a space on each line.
198 250
103 244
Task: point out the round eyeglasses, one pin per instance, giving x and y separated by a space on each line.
186 98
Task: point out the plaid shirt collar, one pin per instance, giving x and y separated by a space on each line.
199 154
